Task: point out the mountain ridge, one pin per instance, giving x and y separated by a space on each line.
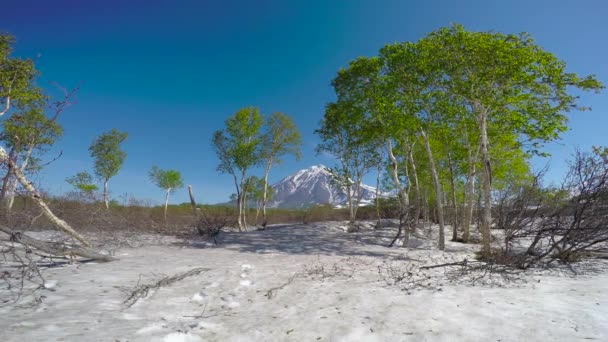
312 186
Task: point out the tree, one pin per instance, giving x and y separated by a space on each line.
167 180
26 133
254 191
280 138
108 157
17 90
507 81
343 132
238 148
83 181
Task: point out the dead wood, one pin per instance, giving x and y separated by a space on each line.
55 248
273 291
141 290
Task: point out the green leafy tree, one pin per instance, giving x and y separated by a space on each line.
83 181
343 132
18 90
238 148
508 81
108 157
17 87
167 180
26 133
280 138
254 192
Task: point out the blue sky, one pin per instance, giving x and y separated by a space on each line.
170 72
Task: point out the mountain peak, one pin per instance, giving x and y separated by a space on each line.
313 186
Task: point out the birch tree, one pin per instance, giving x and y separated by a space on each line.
17 90
508 81
109 157
238 148
167 180
26 133
280 138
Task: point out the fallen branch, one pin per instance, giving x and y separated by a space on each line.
273 291
55 248
461 263
35 196
141 291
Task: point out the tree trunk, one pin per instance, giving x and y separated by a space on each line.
469 189
12 184
378 194
105 194
245 208
486 215
265 194
454 205
36 197
240 198
403 198
258 207
438 192
238 202
414 173
349 199
166 204
193 202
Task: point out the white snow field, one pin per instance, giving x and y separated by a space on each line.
307 283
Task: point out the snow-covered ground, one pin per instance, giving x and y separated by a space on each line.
307 283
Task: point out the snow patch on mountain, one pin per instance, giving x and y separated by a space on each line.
313 186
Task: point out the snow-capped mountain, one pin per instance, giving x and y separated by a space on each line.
311 187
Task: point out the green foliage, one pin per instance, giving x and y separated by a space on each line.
82 181
30 128
107 153
254 188
520 87
281 137
166 179
237 146
17 76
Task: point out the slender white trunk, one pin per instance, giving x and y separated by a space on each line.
438 192
240 197
265 193
454 205
403 195
486 215
37 198
378 192
105 194
414 176
166 203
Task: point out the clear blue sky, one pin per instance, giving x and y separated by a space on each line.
170 72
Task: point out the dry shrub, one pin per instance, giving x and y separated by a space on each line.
565 224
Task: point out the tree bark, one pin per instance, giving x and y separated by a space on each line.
414 173
166 203
105 194
265 194
36 197
438 192
454 205
240 197
193 202
378 194
12 184
486 215
403 198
